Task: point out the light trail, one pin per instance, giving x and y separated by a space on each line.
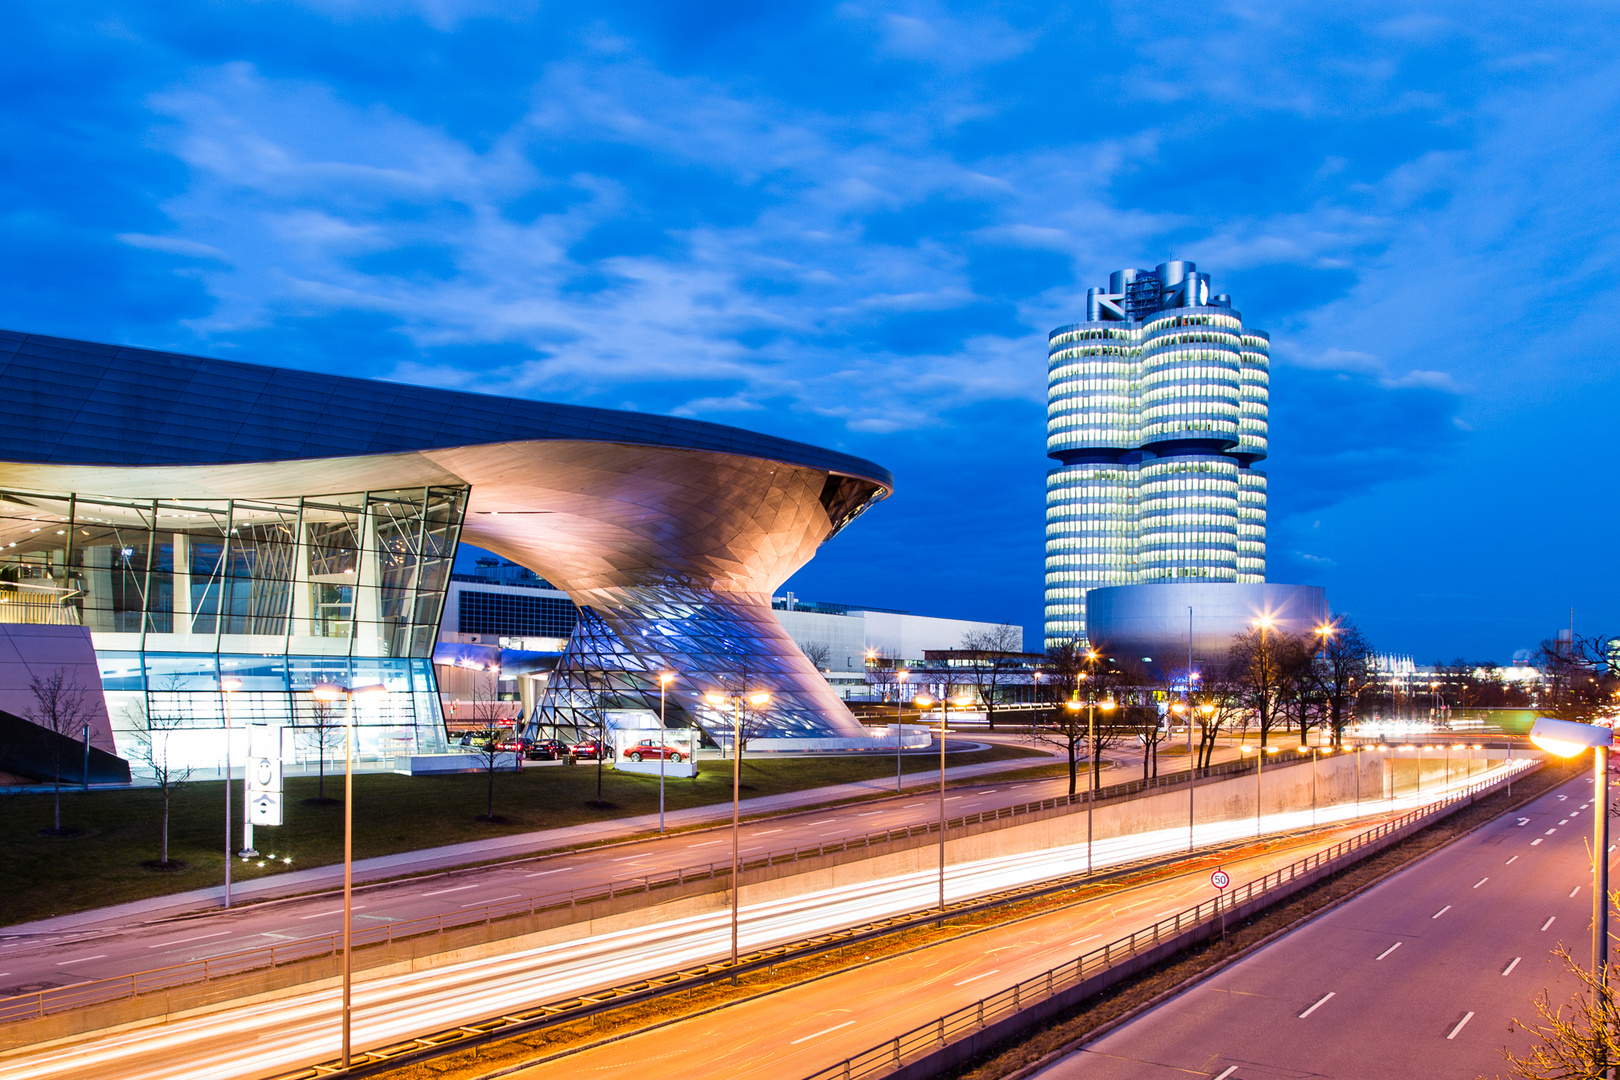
301 1028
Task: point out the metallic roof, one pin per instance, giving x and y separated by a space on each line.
68 402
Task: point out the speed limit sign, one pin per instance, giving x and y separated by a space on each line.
1220 879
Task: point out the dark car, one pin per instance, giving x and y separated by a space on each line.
588 751
546 750
514 745
649 748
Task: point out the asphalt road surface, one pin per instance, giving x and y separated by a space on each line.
1418 977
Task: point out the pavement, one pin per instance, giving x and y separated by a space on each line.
1422 975
515 846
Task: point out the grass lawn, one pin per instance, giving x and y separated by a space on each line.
46 876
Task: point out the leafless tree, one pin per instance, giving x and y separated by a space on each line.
325 733
1339 669
819 653
1579 677
1217 705
62 708
1080 678
155 749
1579 1044
882 671
1258 663
988 650
489 712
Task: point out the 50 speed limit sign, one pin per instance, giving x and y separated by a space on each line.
1220 879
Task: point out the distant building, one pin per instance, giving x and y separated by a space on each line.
1157 411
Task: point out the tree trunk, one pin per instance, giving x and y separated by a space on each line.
489 808
1074 768
320 789
58 812
165 859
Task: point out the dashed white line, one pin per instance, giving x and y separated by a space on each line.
1441 912
1387 951
318 914
1459 1026
1481 881
1322 1001
1550 831
975 978
1549 921
199 937
706 843
768 832
873 813
458 888
1228 1071
1511 966
1573 891
819 1034
1536 841
497 900
543 873
81 960
823 821
633 858
1511 861
1564 822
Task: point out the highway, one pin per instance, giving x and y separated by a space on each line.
33 961
299 1028
1418 976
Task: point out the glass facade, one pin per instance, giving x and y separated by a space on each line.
178 594
1157 411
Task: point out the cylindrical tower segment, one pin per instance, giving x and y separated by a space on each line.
1188 509
1090 540
1090 389
1251 537
1252 427
1192 378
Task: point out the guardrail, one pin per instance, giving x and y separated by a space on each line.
891 1055
101 991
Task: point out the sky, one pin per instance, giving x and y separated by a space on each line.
854 224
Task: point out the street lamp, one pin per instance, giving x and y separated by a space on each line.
1091 753
1566 739
227 687
664 679
718 699
1259 784
331 692
924 700
899 720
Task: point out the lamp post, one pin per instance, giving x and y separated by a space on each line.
944 703
227 687
331 692
1091 753
899 720
1567 739
1178 708
717 699
664 679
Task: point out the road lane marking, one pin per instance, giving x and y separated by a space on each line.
199 937
1549 922
543 873
1511 861
1230 1069
1082 941
819 1034
1522 823
953 798
823 821
458 888
874 813
1481 881
767 832
1318 1005
975 978
497 900
1441 912
1459 1026
1550 831
81 960
318 914
633 858
1513 965
706 843
1536 841
1564 822
1573 891
1387 951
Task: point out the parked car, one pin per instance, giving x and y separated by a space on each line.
546 750
515 744
588 751
648 748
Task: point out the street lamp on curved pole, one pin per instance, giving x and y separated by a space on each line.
717 699
332 692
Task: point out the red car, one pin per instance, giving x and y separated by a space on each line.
648 748
587 751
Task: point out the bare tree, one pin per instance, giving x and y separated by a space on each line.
326 732
60 707
154 748
1080 678
1579 676
1217 705
489 712
1339 669
1258 663
1581 1045
882 670
988 650
819 653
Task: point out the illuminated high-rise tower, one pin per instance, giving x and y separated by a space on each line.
1156 409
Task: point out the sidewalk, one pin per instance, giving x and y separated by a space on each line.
516 846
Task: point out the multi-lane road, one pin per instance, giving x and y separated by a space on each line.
1422 975
299 1027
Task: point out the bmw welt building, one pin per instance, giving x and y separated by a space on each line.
179 526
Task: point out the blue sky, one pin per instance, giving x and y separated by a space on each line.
855 223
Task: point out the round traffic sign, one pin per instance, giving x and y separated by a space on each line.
1220 879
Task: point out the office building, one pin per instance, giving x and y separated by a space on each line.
1157 411
204 523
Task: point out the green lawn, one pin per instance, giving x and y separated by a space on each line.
46 876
